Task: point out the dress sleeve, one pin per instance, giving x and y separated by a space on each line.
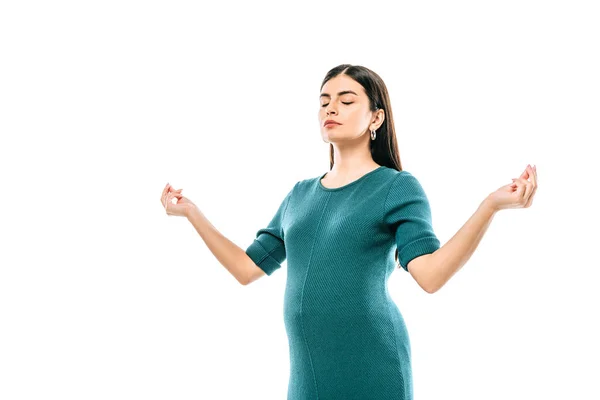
408 215
268 248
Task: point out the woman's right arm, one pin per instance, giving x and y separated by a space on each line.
230 255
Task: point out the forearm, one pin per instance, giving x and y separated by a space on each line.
228 253
450 258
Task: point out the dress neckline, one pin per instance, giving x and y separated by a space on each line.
320 185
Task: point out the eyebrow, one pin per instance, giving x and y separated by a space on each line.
339 93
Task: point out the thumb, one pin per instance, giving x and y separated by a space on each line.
525 174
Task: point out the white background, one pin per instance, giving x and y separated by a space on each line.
102 295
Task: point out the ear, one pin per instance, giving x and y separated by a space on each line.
379 117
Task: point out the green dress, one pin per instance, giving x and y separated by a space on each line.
347 338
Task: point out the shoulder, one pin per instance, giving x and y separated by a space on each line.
405 180
405 188
401 180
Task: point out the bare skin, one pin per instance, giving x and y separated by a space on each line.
352 159
352 156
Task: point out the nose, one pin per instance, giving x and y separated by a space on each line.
328 110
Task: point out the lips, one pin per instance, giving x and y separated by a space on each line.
331 122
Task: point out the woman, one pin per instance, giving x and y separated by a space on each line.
341 233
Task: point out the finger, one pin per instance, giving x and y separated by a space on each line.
520 190
518 182
526 189
525 174
529 170
529 199
532 176
168 201
534 187
163 195
168 189
532 173
173 195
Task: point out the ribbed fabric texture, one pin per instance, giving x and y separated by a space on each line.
347 338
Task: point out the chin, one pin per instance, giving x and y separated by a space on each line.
333 135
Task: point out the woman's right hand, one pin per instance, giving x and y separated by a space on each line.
183 205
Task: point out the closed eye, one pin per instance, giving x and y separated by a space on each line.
324 105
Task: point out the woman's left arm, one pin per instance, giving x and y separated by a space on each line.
442 264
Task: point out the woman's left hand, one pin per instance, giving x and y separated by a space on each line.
518 194
183 205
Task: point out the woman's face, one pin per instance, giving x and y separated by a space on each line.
344 100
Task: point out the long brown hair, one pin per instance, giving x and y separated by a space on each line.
384 148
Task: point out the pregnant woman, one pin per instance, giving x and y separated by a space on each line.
342 233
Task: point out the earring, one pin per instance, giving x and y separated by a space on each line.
373 135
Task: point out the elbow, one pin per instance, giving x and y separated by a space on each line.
432 287
433 282
241 278
430 290
427 288
421 269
